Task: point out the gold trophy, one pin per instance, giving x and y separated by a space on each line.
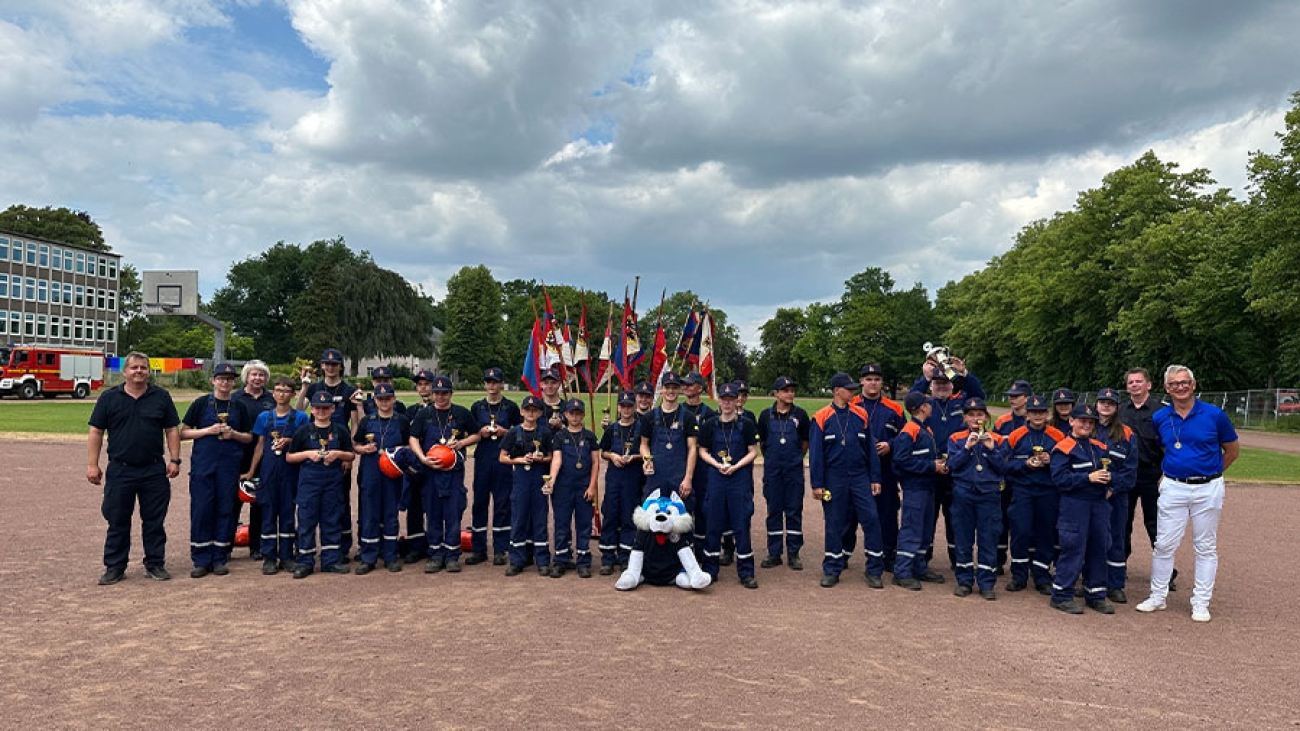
492 426
942 356
1038 454
649 468
726 457
370 438
537 450
1105 463
546 485
222 417
275 437
324 442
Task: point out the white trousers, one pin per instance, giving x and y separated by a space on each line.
1180 502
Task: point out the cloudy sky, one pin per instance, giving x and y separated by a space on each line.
759 153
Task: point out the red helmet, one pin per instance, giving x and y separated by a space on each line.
442 456
388 464
466 540
248 490
241 535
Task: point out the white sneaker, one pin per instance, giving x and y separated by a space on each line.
1200 614
1155 605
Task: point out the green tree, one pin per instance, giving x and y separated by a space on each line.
380 314
775 355
315 314
56 224
472 339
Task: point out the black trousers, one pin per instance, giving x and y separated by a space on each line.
124 485
1147 492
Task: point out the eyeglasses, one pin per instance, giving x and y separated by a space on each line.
282 390
1178 384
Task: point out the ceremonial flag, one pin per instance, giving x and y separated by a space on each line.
688 343
660 357
532 371
603 361
704 352
555 343
632 334
581 349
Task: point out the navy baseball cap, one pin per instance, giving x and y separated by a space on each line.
574 404
843 380
871 369
1020 388
441 383
332 355
742 386
550 373
974 403
381 372
322 398
671 379
626 397
1108 394
531 402
494 374
1083 411
1063 396
728 390
643 388
783 382
384 390
914 400
1037 403
693 378
225 369
940 376
424 375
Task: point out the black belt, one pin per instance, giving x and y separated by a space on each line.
1198 479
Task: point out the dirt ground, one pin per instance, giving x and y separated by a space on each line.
479 650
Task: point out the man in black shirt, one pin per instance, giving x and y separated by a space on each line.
1136 414
137 416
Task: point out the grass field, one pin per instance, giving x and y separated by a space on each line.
70 417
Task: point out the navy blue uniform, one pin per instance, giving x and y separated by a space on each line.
492 480
731 497
320 494
344 406
413 503
279 483
700 480
214 479
1084 522
444 490
945 418
255 406
1006 424
380 494
623 487
1123 456
783 438
885 417
1034 504
136 471
976 508
570 509
667 433
842 458
915 451
528 539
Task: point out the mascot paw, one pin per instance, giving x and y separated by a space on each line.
694 580
628 581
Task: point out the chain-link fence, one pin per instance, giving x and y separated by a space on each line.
1274 408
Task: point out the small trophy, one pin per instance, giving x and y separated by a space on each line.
726 457
492 426
627 449
649 468
222 417
324 443
826 496
370 437
275 437
537 450
1105 463
546 485
1038 454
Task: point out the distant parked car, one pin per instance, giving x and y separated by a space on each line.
1288 402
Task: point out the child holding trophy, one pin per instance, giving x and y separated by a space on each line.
274 431
526 448
219 426
1081 471
323 449
728 448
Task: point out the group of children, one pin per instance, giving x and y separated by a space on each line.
1067 471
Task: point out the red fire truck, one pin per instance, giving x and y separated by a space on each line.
29 370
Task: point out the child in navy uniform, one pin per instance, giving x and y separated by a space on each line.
620 446
527 448
977 460
323 448
575 452
383 431
274 430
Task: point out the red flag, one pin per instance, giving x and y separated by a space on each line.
706 352
603 361
532 371
660 357
556 344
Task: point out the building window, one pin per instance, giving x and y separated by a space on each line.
4 322
76 332
42 291
4 285
31 253
100 302
67 262
81 294
81 263
67 294
90 265
67 328
45 255
112 268
99 331
30 289
29 325
56 260
103 266
16 251
112 300
112 331
4 248
40 326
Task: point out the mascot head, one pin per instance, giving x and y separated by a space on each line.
660 514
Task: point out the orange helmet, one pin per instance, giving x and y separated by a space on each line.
248 490
388 464
442 456
466 540
241 535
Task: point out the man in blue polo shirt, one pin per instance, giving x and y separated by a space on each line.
1199 444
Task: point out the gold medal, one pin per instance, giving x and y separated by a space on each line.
1178 445
783 440
579 465
979 468
442 440
669 445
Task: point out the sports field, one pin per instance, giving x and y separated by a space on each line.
479 650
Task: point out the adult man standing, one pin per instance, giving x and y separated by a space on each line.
885 418
137 416
783 439
494 415
1200 444
1136 414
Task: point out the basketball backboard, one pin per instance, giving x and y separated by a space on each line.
170 291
